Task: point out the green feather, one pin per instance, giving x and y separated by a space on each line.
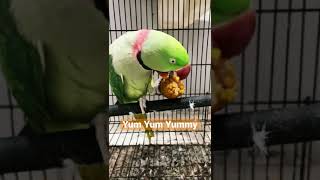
116 83
21 66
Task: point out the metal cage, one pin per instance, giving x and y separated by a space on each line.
171 154
279 70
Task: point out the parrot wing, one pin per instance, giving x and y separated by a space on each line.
22 69
116 83
119 86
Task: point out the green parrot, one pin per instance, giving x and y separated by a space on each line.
134 57
225 10
53 57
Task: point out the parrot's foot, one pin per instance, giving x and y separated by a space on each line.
154 86
156 83
142 104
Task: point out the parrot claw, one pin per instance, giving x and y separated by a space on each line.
142 104
154 86
156 83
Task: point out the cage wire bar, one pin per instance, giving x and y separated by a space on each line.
284 60
171 154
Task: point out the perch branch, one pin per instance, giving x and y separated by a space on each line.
160 105
231 131
23 153
285 126
38 152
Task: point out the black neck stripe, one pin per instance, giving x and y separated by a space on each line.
141 62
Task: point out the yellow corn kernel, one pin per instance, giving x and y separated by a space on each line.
227 96
216 53
229 82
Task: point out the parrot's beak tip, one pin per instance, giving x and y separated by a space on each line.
184 72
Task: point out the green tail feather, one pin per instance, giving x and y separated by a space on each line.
141 118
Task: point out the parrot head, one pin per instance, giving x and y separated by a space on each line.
163 53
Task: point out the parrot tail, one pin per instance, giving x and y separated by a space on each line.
141 119
93 172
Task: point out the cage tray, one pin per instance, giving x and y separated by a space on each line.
160 161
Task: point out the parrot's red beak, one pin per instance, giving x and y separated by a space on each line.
233 37
184 72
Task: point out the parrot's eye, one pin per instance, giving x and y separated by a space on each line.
172 61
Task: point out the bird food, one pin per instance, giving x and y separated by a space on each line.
171 86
